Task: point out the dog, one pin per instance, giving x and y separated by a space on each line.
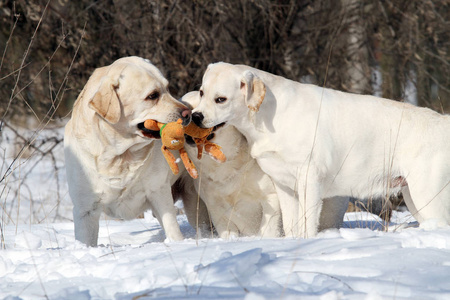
239 198
113 163
317 143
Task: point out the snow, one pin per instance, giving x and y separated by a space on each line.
135 261
40 258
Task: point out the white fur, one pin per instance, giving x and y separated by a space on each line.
111 166
241 199
317 143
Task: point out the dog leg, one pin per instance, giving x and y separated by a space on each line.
166 214
222 218
300 208
196 211
226 229
289 210
86 226
271 216
199 220
310 207
333 211
310 202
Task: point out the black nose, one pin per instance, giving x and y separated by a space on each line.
197 118
186 117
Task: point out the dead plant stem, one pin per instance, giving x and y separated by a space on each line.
22 64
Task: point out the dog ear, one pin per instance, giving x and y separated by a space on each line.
253 89
106 101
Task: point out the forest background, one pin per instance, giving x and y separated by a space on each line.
395 49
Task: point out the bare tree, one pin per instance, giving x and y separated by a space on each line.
357 58
303 40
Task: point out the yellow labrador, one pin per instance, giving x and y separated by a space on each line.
113 163
317 143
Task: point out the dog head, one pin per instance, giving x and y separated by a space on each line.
132 90
191 99
227 93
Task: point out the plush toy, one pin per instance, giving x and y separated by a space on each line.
200 136
172 137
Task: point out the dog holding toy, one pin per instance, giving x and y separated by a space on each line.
172 137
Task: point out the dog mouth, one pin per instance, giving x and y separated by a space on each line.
152 134
190 141
219 126
213 134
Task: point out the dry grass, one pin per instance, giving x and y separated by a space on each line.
32 185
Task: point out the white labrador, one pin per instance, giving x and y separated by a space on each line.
113 163
316 143
240 198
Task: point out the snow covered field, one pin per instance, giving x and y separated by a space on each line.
43 261
40 259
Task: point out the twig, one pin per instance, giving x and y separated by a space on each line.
239 283
328 275
22 64
36 268
7 42
176 269
42 69
14 72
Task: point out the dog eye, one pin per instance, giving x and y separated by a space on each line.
201 93
153 96
221 99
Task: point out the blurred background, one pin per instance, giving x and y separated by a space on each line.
395 49
398 49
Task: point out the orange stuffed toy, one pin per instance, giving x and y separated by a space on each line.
200 136
172 137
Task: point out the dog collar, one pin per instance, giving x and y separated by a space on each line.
160 131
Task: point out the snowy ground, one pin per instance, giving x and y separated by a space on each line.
40 259
44 261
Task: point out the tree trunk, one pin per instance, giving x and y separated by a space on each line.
358 70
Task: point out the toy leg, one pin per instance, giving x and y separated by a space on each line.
170 160
215 151
188 164
151 125
200 144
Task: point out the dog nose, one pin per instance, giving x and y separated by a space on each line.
197 118
186 117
